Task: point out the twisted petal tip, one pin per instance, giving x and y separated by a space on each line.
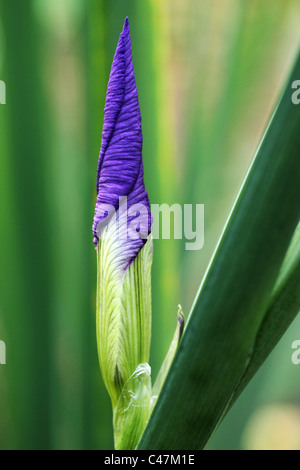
120 165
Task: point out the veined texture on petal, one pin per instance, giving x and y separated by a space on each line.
120 167
123 311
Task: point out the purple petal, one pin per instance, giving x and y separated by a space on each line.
120 166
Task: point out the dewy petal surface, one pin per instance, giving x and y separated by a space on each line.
120 166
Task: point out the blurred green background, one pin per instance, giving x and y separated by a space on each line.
209 73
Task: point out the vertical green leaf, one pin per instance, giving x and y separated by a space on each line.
218 341
25 286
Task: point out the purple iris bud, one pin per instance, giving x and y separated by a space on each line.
120 184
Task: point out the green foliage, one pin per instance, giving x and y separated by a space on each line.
230 323
207 77
131 412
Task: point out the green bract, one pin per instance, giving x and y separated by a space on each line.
123 320
131 412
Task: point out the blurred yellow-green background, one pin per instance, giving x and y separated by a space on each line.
209 73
